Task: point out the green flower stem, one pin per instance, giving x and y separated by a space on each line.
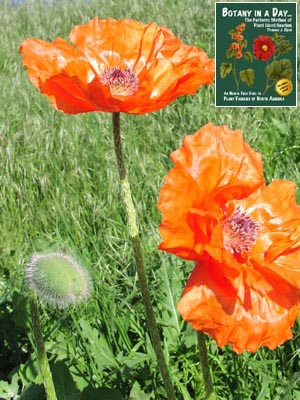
234 74
134 234
205 367
268 86
41 351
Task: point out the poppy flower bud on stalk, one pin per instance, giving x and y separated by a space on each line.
58 279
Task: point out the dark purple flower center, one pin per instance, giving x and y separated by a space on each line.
121 82
240 232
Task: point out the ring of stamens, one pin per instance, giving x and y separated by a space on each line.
240 232
121 82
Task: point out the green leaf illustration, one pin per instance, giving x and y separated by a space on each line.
231 31
244 43
283 47
277 37
225 69
247 76
279 69
230 53
248 56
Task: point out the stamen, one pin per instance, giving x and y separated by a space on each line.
240 232
121 83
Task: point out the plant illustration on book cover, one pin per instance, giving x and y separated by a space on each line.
256 60
266 48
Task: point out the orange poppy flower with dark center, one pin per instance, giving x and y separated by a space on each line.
244 236
116 66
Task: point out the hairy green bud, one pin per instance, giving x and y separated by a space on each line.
58 279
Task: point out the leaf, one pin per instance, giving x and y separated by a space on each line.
244 43
230 53
225 69
136 393
30 372
190 339
168 297
293 383
33 392
279 69
6 392
265 389
248 56
277 37
99 347
231 31
247 76
64 384
283 47
90 393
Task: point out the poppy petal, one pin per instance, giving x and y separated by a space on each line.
68 94
111 43
55 68
44 59
212 167
277 247
240 309
220 162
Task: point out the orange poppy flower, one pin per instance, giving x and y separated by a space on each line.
245 237
116 66
212 167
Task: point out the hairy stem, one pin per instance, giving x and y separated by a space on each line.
40 346
134 235
205 366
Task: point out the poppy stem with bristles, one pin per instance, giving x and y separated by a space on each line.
205 366
40 347
134 235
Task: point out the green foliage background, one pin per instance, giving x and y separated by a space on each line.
59 189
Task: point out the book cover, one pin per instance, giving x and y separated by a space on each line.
256 54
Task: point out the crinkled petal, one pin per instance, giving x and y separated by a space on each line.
220 162
277 247
242 309
189 62
60 72
44 59
70 95
212 167
110 43
177 196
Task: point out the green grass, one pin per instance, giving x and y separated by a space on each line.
59 189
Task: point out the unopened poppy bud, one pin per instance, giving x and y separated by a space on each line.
58 279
